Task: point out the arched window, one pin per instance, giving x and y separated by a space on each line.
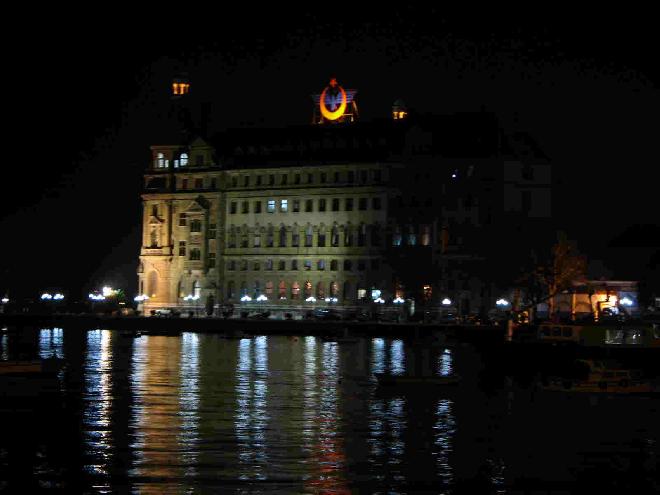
362 235
282 236
282 289
183 159
334 236
320 290
308 289
197 289
348 294
152 284
295 290
161 162
269 288
309 234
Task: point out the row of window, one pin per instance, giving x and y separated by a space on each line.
198 183
352 237
244 265
307 178
347 290
322 205
182 161
195 254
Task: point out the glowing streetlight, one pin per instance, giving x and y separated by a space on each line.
502 302
398 300
446 301
58 297
46 296
311 299
246 298
96 297
379 300
626 301
5 300
262 298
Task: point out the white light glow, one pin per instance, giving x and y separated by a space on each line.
5 300
97 297
379 300
398 300
626 301
108 291
246 298
311 299
502 302
46 295
262 298
58 297
446 301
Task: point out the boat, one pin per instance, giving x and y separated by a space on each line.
619 335
594 376
387 379
31 366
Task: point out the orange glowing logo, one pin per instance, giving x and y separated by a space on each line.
339 107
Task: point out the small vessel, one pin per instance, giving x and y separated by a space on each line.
592 376
387 379
31 366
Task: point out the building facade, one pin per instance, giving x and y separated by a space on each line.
408 208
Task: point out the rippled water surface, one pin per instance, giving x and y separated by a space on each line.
198 413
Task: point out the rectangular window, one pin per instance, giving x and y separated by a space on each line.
271 180
362 204
246 207
271 206
199 160
256 266
284 205
232 207
335 204
321 239
257 240
294 264
199 183
258 179
336 177
296 179
182 220
284 180
349 204
246 180
321 265
296 205
257 206
375 265
269 265
376 203
309 205
212 231
308 265
182 248
282 265
231 265
323 177
211 260
321 204
362 264
234 181
310 178
295 239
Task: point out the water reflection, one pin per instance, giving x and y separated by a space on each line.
51 343
189 401
97 400
157 418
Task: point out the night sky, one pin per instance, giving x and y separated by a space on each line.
85 97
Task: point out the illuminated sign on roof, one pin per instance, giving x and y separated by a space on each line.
334 97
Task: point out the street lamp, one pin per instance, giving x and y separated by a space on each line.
311 299
262 298
245 298
446 301
46 296
398 300
502 302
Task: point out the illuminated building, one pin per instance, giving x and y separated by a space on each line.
408 206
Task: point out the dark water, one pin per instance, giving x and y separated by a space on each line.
201 414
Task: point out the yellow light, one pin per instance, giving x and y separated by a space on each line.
337 113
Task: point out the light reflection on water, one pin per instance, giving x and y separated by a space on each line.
280 414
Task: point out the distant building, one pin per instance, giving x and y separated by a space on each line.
418 207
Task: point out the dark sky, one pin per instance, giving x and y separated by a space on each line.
85 93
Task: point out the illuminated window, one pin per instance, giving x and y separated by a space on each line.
284 205
307 265
269 288
396 237
161 162
197 288
308 289
426 235
282 289
361 293
183 159
295 290
271 206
